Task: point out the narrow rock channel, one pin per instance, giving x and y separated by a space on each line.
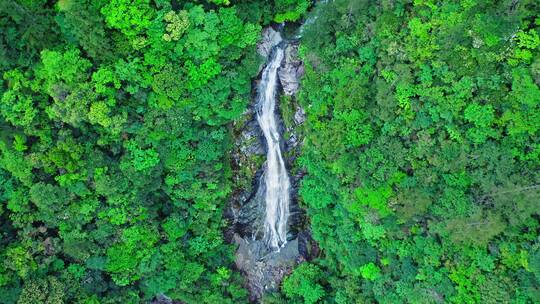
265 215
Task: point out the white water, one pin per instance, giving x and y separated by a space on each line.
275 177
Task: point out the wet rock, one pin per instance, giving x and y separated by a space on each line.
265 270
249 141
294 139
292 142
251 215
291 70
299 116
269 39
307 247
247 156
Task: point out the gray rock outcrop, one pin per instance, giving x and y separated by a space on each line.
269 39
265 270
292 69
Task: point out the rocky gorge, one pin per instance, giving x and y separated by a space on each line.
263 266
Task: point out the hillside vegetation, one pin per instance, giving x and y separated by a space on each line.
421 150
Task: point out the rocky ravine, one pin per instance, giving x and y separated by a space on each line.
264 269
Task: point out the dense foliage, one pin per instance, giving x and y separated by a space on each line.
422 149
422 152
114 163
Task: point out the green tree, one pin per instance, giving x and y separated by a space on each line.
48 290
131 17
303 284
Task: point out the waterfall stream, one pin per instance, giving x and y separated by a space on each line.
275 176
266 216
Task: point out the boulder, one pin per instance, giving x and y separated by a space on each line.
292 69
269 39
264 270
299 116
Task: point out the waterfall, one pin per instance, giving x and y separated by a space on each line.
265 215
275 176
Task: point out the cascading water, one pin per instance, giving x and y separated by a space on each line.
266 218
275 176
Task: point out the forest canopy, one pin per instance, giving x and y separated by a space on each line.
421 149
422 152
